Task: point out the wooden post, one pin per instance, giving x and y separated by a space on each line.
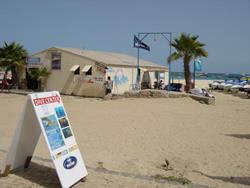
6 170
27 162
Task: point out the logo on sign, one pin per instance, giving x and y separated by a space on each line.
70 162
46 100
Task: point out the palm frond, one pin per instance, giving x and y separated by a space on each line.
187 47
13 56
38 74
174 56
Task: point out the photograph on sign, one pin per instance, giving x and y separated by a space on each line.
53 132
63 122
60 112
67 132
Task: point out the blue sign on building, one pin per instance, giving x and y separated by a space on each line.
32 60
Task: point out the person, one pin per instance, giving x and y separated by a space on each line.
5 83
109 85
161 84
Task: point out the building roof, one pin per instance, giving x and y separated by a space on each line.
110 58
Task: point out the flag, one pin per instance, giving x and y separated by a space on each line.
139 44
197 64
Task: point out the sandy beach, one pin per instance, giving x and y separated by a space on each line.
125 142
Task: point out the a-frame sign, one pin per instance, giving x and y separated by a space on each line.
44 112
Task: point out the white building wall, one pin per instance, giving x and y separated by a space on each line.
66 82
123 78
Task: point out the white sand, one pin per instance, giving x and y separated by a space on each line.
130 138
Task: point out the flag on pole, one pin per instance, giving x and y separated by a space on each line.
139 44
197 64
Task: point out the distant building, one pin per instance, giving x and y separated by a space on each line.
83 72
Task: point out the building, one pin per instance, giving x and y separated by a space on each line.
84 72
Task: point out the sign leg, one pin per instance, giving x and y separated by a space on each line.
27 162
6 170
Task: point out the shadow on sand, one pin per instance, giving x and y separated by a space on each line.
236 180
47 177
243 136
39 174
3 151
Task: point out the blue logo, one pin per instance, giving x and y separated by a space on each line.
70 162
120 78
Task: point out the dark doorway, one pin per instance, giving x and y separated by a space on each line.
31 83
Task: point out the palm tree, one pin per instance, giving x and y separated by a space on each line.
188 48
39 75
13 57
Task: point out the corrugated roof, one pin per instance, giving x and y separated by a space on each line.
110 58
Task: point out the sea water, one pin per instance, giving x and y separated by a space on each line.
209 76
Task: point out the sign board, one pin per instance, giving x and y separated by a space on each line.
34 62
98 79
33 59
44 112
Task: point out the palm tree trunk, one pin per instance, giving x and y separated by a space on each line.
14 75
187 75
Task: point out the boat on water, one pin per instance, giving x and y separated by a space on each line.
202 75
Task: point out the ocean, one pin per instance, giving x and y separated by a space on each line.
209 76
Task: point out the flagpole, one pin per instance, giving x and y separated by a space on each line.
139 44
138 66
194 74
169 64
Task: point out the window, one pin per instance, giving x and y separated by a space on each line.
75 69
55 60
87 69
89 72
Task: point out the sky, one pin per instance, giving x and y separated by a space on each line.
110 25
